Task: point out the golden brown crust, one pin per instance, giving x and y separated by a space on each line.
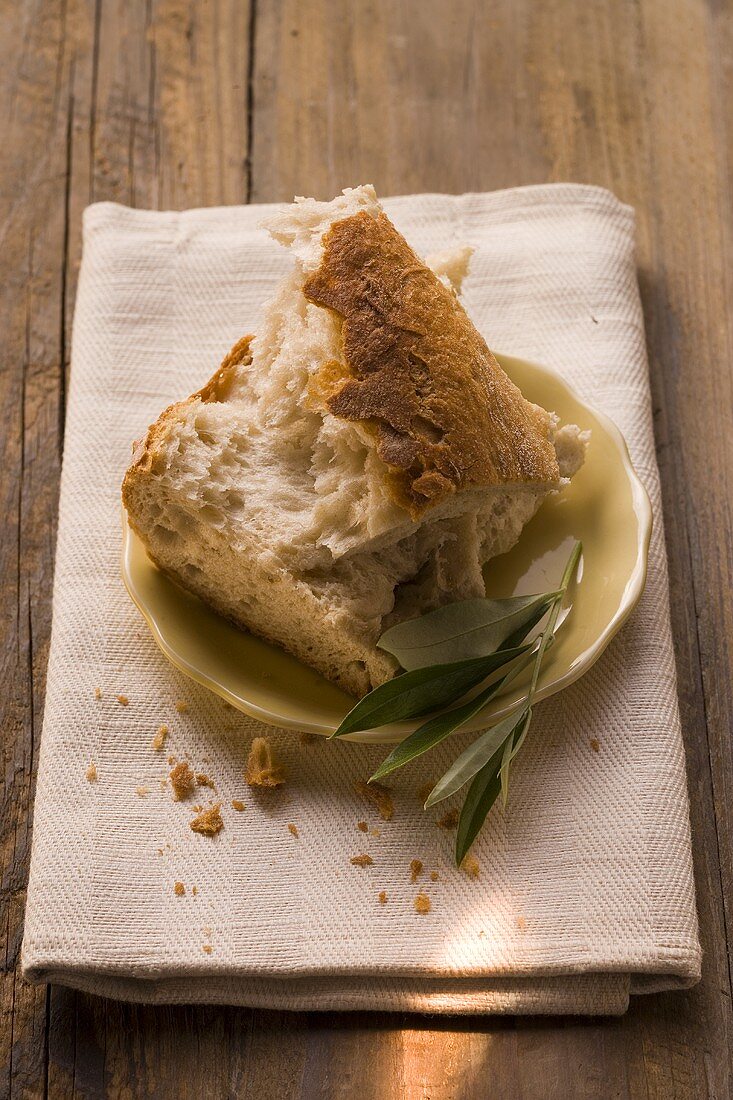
216 389
418 375
220 384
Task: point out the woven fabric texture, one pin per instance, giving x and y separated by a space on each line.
585 891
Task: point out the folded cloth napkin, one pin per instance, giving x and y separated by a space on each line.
581 890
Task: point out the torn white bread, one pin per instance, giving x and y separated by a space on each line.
354 464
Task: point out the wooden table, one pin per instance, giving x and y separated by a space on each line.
176 103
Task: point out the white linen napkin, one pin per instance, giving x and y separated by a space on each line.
585 891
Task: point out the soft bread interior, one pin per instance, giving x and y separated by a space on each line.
275 511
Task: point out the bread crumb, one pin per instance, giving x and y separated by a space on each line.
237 805
448 821
207 948
142 791
481 934
197 808
308 738
97 693
172 759
262 769
293 829
159 739
179 889
182 780
160 851
181 706
374 832
203 780
123 700
595 744
424 791
434 876
208 822
379 797
383 897
194 891
91 772
471 866
521 924
362 826
416 866
362 861
422 903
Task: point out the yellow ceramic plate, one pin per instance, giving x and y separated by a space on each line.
605 506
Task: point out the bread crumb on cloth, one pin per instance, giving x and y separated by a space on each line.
595 744
362 826
448 821
141 792
207 948
362 860
382 897
521 924
97 693
422 903
179 889
181 706
182 780
123 700
379 796
237 805
159 740
204 781
91 772
293 829
208 822
416 866
434 876
262 769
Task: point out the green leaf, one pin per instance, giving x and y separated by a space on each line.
482 795
436 729
465 629
529 623
422 690
473 759
504 768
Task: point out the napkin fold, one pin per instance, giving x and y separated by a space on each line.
584 891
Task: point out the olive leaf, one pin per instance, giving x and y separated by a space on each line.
481 796
506 757
435 730
422 690
465 629
473 759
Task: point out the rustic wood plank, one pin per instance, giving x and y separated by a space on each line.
34 107
149 104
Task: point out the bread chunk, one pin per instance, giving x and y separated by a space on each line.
358 461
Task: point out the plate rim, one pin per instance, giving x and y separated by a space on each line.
395 732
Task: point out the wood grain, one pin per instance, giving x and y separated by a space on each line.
171 103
